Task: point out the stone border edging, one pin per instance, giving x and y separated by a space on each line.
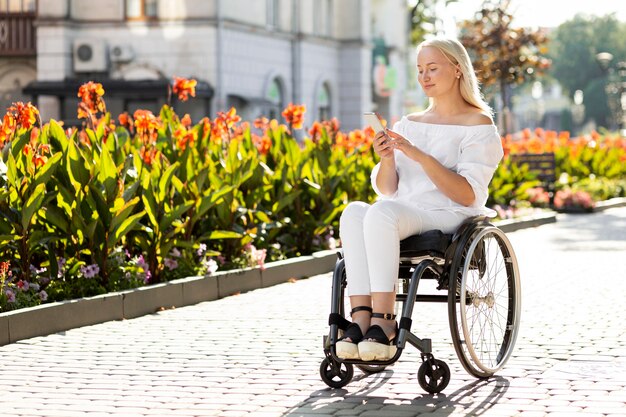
60 316
56 317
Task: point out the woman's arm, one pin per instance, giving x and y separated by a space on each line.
453 185
387 177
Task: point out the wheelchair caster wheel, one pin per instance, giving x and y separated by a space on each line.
335 374
433 376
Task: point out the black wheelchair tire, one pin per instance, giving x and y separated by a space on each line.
336 375
433 379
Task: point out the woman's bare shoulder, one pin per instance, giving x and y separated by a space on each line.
417 116
477 117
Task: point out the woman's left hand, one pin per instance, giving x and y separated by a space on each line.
404 145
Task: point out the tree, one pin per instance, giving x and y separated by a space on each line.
503 56
573 49
423 18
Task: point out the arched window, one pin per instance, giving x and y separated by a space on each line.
275 96
323 102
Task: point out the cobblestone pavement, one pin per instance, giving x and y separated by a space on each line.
258 354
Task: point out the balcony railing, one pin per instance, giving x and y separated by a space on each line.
17 34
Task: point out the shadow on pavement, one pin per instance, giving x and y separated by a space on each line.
475 399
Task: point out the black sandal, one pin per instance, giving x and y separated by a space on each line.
375 344
349 349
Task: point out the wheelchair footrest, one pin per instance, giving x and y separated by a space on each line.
339 320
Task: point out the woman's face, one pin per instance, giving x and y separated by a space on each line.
436 74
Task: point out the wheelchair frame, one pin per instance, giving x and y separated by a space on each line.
462 264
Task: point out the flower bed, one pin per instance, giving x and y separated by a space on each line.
142 199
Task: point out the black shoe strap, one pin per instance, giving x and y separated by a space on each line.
385 316
360 308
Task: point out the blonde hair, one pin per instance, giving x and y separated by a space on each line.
456 53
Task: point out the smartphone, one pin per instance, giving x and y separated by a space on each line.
374 121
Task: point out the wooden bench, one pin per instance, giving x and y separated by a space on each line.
543 165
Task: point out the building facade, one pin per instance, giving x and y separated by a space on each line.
340 58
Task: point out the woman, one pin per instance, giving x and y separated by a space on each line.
434 171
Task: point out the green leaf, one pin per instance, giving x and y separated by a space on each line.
151 207
127 225
285 201
123 213
175 214
57 136
108 174
164 182
12 171
56 217
224 234
79 174
33 205
101 206
45 172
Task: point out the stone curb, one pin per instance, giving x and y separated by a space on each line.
56 317
60 316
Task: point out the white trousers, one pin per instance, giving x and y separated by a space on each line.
371 235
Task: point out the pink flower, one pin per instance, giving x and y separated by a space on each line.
210 265
89 271
43 295
170 263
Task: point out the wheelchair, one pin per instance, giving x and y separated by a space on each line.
477 267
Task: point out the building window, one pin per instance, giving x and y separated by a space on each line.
17 6
322 18
323 103
273 13
275 96
141 9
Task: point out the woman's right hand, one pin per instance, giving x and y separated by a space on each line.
382 145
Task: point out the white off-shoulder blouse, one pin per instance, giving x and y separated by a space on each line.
471 151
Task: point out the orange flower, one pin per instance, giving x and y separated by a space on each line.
126 121
534 145
24 114
316 131
184 137
332 124
148 154
7 128
595 135
294 115
229 118
261 123
262 143
90 94
147 125
206 126
186 120
36 151
39 160
184 88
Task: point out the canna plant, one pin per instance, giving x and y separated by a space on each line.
29 167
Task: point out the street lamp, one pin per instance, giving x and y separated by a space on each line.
614 89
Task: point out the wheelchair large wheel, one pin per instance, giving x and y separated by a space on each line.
484 301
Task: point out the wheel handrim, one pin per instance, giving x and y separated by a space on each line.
489 303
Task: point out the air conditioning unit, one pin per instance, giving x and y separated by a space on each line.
90 55
121 53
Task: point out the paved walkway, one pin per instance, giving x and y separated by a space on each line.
258 354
